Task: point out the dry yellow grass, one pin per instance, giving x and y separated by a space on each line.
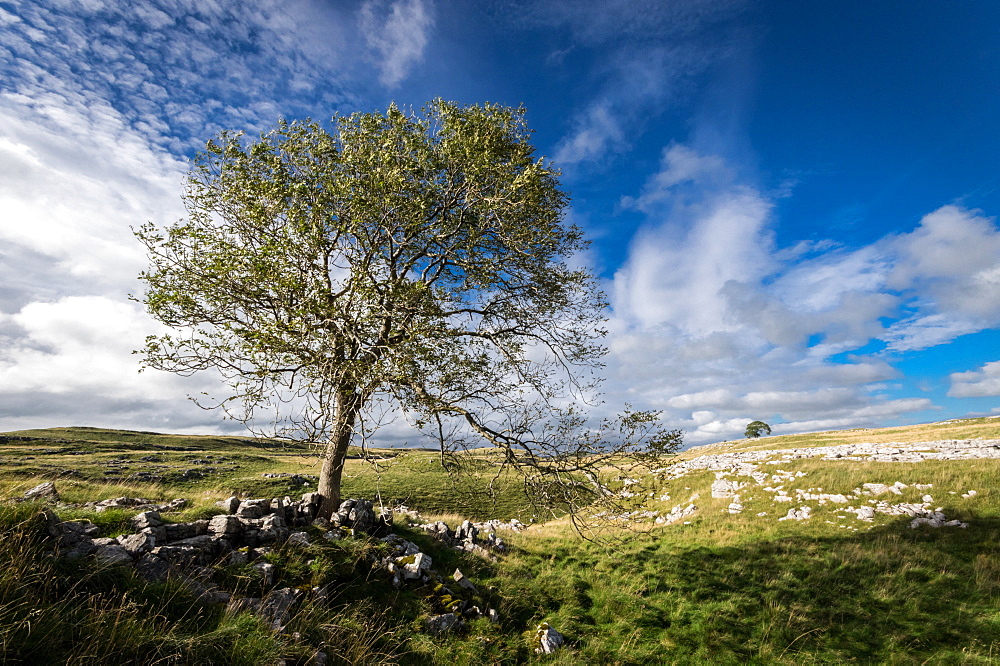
978 428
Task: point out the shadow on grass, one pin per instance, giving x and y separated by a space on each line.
890 594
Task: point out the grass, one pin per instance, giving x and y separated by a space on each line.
890 595
161 467
721 589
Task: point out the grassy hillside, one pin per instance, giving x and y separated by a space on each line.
713 587
978 428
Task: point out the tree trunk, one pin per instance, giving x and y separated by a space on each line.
335 453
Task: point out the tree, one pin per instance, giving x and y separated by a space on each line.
411 260
756 429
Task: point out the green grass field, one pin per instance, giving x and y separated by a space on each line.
714 588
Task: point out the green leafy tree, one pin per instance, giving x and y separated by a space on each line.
757 429
415 263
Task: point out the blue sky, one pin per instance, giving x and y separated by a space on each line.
792 204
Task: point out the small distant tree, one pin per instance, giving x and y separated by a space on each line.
414 259
757 429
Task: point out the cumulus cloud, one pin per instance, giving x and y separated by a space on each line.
716 325
80 176
70 362
677 270
398 35
951 265
976 383
596 131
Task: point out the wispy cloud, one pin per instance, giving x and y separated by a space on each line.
398 33
650 51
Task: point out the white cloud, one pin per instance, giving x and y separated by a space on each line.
679 164
677 270
99 102
78 343
70 362
398 35
167 66
976 383
596 132
79 177
717 326
951 243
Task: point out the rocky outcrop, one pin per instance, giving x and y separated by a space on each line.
467 535
968 449
251 528
757 466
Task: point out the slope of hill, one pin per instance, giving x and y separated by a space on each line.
739 552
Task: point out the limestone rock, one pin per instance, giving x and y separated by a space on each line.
112 554
467 531
865 513
137 544
802 513
253 508
267 571
230 504
362 516
442 624
147 519
180 556
298 539
152 568
414 566
224 525
464 582
277 606
549 640
723 488
46 491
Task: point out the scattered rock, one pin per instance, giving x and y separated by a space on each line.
112 554
137 544
298 539
464 582
723 488
866 513
442 624
147 519
414 566
802 513
46 491
223 525
277 606
230 504
267 571
548 639
152 568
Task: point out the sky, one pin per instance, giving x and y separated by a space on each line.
792 205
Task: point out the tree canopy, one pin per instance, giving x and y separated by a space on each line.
419 260
757 429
